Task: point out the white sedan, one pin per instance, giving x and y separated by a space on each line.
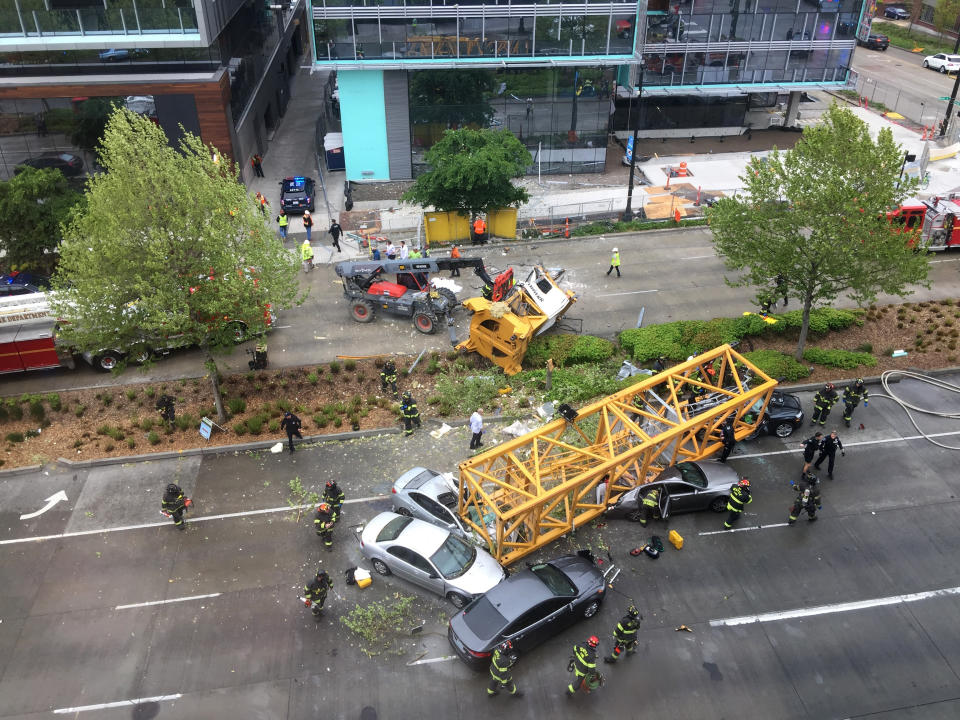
942 62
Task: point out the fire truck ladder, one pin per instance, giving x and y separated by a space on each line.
527 492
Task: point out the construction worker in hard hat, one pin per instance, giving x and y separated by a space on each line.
822 402
501 678
615 262
625 634
739 498
852 395
584 666
306 255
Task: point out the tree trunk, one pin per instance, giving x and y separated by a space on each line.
804 326
211 366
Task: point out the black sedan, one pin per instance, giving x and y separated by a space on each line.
896 13
783 415
69 164
686 487
528 608
296 194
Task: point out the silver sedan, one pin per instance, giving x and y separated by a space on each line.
429 556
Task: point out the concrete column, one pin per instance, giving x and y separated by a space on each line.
793 109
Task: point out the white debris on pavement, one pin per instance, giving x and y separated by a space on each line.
440 431
521 427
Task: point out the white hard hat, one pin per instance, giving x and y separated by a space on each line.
615 250
306 212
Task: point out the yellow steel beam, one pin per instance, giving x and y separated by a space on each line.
529 491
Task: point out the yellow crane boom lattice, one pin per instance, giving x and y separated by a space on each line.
527 492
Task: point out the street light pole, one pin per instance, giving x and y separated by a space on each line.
628 212
953 95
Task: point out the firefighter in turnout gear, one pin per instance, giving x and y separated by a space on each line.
822 402
739 498
174 504
852 395
166 409
410 413
808 498
323 524
333 496
388 377
650 505
729 438
625 634
501 677
315 592
584 666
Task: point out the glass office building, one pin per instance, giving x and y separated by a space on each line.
561 76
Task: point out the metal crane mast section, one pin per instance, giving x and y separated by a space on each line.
527 492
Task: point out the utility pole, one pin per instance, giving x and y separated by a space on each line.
628 212
953 95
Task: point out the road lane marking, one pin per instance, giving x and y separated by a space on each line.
850 444
836 608
934 262
634 292
164 602
427 661
119 703
697 257
144 526
743 529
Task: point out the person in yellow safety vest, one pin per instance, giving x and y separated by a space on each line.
283 221
739 497
615 262
306 254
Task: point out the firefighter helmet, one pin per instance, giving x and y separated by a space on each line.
173 489
744 482
407 396
593 641
331 483
506 646
633 612
323 507
859 382
828 386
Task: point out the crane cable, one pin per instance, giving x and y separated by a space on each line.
907 407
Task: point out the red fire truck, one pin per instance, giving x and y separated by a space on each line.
28 335
936 221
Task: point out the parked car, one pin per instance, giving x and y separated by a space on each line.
527 608
296 194
687 487
429 496
69 164
11 289
784 415
429 556
896 13
942 62
875 41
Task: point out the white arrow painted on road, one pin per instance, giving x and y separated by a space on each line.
50 502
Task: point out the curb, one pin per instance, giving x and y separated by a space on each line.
872 379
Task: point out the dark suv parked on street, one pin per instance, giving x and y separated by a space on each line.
875 41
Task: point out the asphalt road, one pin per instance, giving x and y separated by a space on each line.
853 616
671 275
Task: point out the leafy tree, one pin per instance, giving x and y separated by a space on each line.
945 15
816 215
451 97
168 246
471 171
33 203
91 121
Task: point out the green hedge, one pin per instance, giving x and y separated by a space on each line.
843 359
566 349
778 365
678 340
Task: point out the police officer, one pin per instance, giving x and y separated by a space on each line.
584 666
388 377
410 413
852 395
822 402
323 524
739 497
315 592
808 498
175 504
625 634
810 447
291 423
828 449
729 438
333 496
501 678
650 505
166 409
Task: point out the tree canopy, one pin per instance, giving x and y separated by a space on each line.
471 171
451 97
167 248
33 204
816 216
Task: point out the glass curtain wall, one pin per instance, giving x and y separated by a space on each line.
561 115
